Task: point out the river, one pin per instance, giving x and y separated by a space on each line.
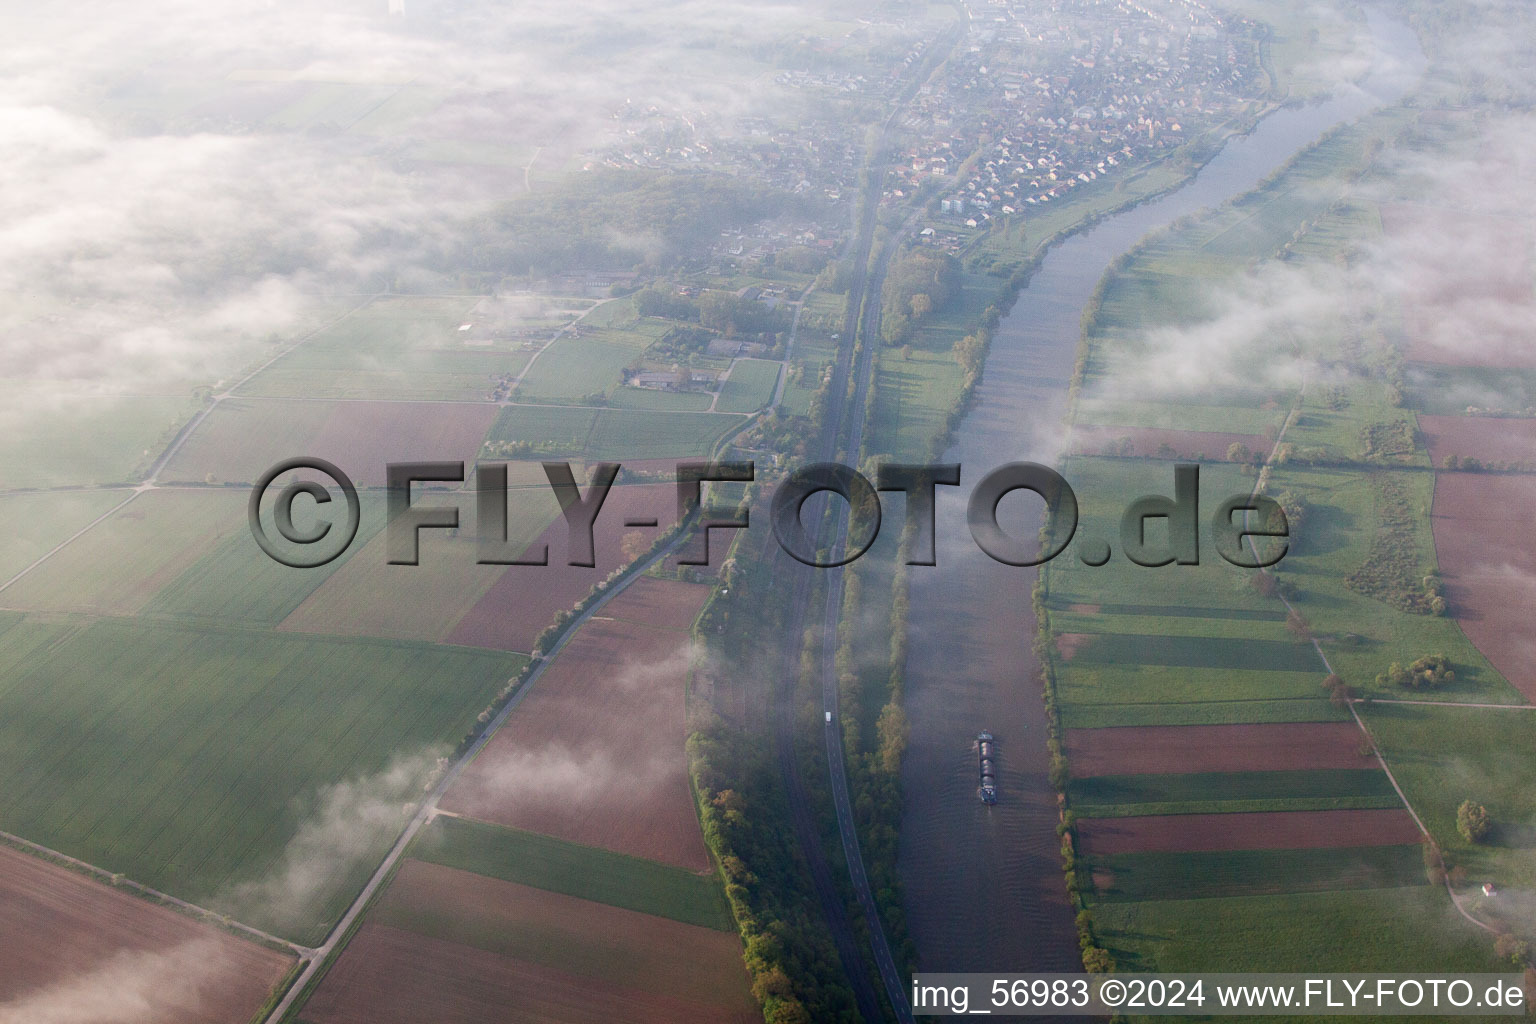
984 885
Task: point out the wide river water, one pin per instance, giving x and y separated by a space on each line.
984 884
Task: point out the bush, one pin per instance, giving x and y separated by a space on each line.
1429 672
1060 774
1508 947
1472 821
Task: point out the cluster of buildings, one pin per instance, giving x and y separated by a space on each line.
1049 98
813 155
1044 97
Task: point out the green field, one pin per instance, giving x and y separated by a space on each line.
1399 929
750 385
237 583
1197 652
1194 628
1449 390
652 398
912 397
403 347
37 522
1130 684
1234 419
1104 488
1133 877
51 438
119 565
554 864
576 367
191 758
370 597
1443 756
1180 611
1202 712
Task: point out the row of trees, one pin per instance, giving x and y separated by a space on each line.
795 971
1391 571
1471 464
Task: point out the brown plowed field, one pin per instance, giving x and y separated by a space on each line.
595 754
671 604
1487 559
1154 749
526 598
77 950
243 437
388 976
448 946
1271 830
1481 437
1146 441
369 435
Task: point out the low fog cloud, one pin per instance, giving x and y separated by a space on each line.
566 772
1453 266
1456 277
1264 332
346 826
158 231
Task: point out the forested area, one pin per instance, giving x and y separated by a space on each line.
917 285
